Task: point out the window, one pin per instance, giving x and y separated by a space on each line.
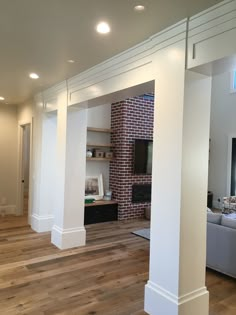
233 82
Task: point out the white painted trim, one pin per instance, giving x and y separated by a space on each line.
130 63
19 197
30 196
157 298
8 209
208 30
19 194
68 238
42 223
229 162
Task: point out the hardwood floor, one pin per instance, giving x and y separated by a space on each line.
106 277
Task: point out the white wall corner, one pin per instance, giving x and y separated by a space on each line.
158 301
68 238
42 223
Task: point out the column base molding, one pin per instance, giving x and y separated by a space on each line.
159 301
41 223
68 238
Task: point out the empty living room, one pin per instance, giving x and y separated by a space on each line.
117 151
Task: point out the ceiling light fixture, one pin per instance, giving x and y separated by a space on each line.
34 76
139 8
2 98
70 61
103 28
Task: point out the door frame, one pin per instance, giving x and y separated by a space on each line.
20 192
229 163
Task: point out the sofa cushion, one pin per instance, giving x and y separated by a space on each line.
228 221
214 217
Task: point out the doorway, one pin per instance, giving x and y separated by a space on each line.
23 182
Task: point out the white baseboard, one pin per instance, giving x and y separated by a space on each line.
68 238
159 301
8 209
41 223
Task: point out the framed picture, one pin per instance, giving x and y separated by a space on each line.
94 187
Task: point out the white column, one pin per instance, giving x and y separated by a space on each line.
42 215
68 230
176 283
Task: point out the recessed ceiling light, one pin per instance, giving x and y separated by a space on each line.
2 98
34 76
103 28
139 8
70 61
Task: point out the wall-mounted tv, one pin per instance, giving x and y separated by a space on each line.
143 156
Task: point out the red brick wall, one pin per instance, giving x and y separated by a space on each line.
130 119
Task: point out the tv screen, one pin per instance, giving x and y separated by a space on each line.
143 156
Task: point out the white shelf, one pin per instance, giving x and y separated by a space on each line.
99 145
104 130
98 159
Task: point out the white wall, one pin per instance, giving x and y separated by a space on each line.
99 117
25 111
223 124
8 153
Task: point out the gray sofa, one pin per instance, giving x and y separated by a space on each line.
221 243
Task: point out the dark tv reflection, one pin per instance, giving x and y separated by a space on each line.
143 156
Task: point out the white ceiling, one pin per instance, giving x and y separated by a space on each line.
41 35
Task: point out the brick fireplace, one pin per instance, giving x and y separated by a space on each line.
130 119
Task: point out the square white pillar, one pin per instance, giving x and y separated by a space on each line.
68 230
43 210
176 283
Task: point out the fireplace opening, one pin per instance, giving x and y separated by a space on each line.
141 193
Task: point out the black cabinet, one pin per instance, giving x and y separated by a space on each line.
100 212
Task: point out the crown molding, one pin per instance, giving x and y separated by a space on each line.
209 28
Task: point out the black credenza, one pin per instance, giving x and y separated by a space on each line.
101 211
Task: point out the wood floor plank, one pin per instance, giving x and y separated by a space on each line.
106 277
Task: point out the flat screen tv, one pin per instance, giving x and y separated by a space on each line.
143 156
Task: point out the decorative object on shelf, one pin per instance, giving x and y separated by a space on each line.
99 154
89 154
108 194
94 187
88 200
100 151
108 155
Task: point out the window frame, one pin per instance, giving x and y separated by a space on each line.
233 81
